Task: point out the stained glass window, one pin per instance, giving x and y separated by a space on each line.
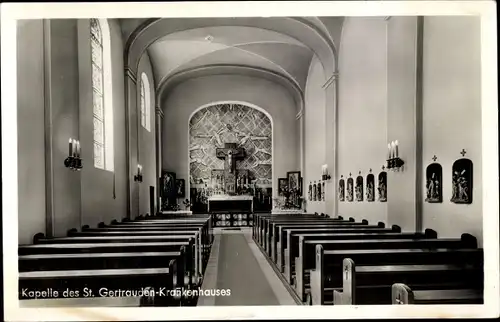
144 103
98 92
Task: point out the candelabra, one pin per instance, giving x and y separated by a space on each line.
324 173
73 160
394 162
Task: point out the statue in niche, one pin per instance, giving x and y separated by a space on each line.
341 193
462 181
359 188
370 188
310 191
323 191
382 186
434 174
349 193
315 190
319 191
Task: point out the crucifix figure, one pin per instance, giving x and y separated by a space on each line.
230 153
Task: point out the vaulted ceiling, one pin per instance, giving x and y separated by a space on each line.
279 45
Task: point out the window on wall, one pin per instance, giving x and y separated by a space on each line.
145 103
101 95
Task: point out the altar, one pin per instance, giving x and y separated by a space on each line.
231 211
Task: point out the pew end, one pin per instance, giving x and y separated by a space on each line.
430 233
71 231
114 222
340 217
102 224
125 219
364 222
396 228
381 224
469 240
316 278
37 237
402 294
348 282
85 227
351 219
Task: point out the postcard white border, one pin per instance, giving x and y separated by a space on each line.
486 9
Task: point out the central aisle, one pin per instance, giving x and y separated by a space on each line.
239 271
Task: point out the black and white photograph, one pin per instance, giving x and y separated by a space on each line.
239 156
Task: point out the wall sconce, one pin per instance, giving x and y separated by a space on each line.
138 176
73 161
393 159
324 173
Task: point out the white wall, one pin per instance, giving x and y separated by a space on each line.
146 147
362 110
103 195
30 129
452 117
315 136
401 119
185 98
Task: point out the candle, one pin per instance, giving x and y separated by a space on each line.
392 150
396 144
70 147
388 151
74 147
78 149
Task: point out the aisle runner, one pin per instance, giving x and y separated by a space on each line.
239 271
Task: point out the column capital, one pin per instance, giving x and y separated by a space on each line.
130 74
330 80
159 112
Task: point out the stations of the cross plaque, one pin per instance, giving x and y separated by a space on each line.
230 153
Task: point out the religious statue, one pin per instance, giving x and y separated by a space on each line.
341 192
370 193
310 191
350 196
319 192
230 153
460 187
433 190
315 191
323 192
359 188
382 186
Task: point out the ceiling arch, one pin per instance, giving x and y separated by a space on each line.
281 46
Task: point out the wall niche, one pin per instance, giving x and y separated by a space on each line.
341 192
350 189
370 187
382 186
462 183
359 187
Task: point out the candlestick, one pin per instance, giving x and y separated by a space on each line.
396 152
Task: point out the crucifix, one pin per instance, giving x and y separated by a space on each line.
230 153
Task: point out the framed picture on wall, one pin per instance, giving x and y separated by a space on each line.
180 187
293 180
282 186
167 181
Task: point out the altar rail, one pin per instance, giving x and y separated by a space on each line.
233 220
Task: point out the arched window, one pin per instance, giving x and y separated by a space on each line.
145 102
101 95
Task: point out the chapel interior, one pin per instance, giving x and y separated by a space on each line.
247 155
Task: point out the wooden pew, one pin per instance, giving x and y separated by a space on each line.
264 229
202 242
307 250
297 240
403 294
289 240
262 220
372 283
272 236
194 254
270 227
279 238
57 284
258 219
